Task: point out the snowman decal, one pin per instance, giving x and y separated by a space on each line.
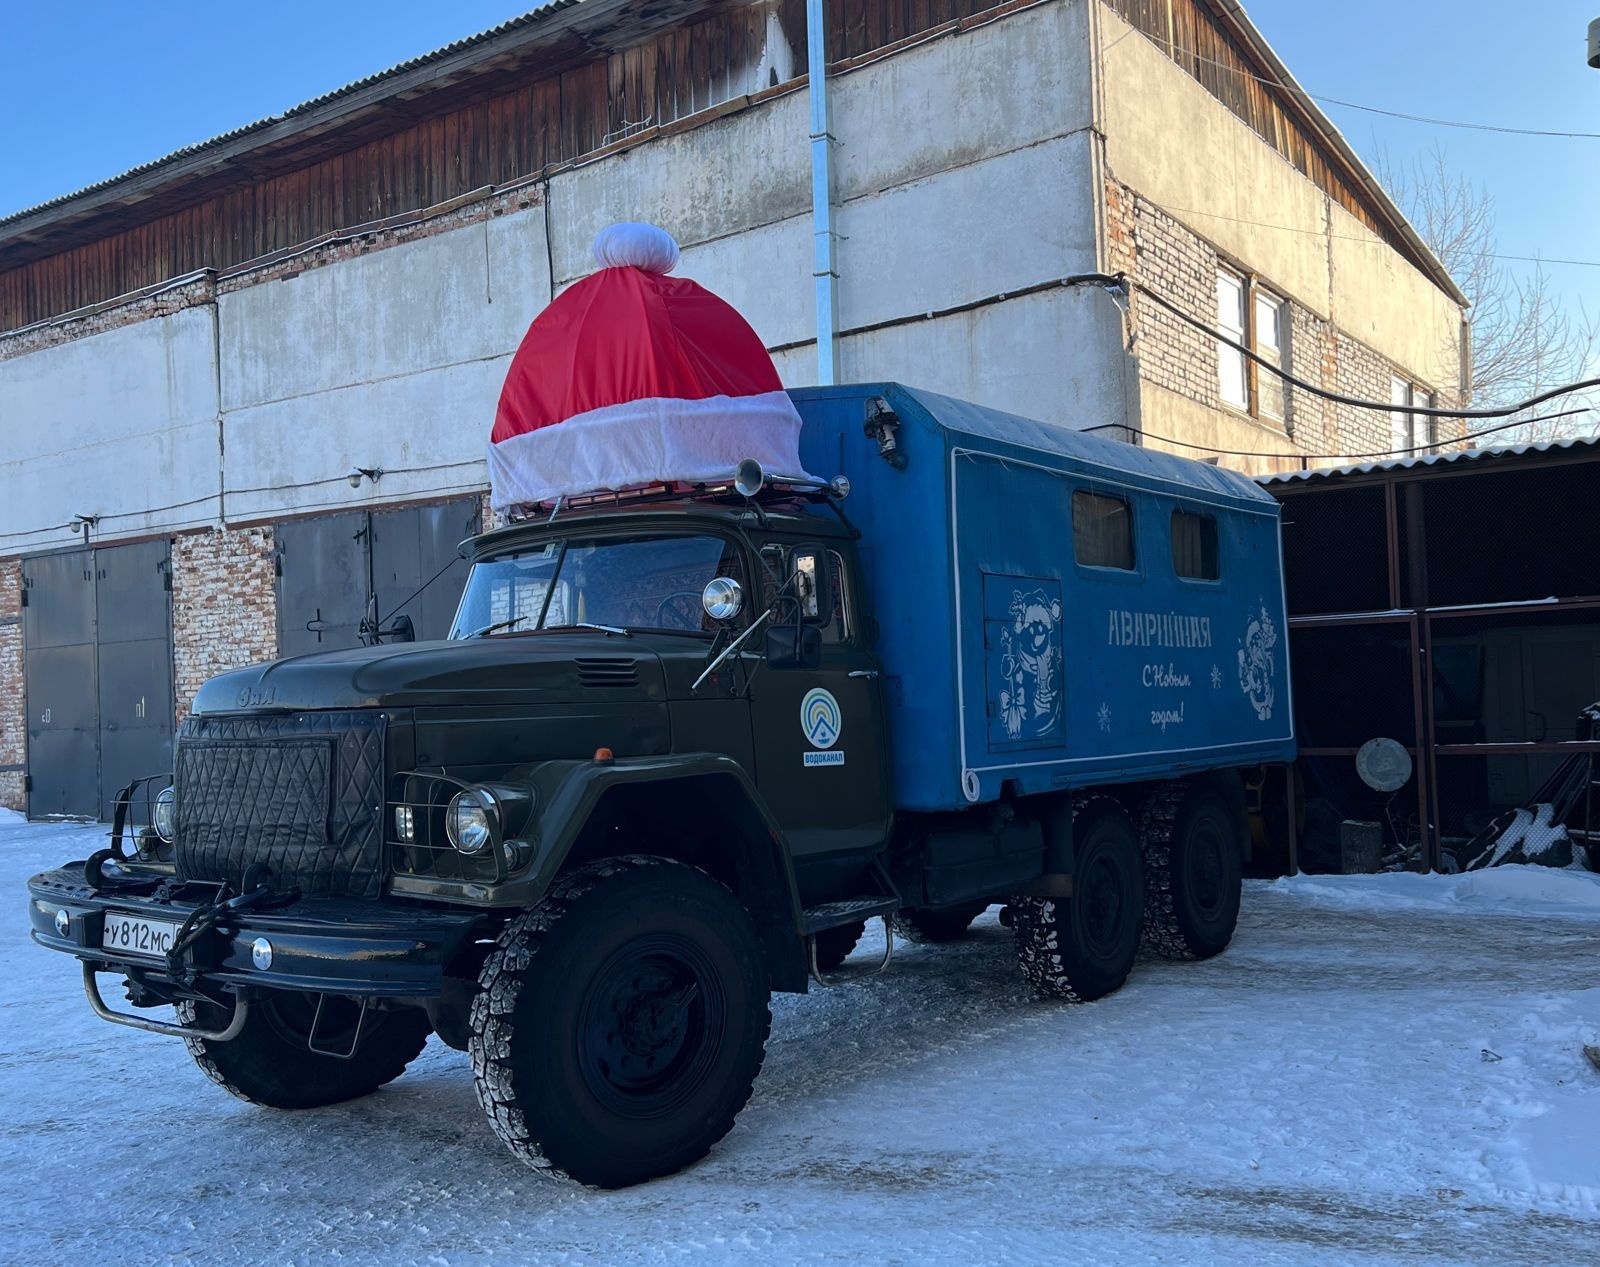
1029 663
1256 663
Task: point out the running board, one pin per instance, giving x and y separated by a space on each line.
855 974
851 910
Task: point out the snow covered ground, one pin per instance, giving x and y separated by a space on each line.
1381 1069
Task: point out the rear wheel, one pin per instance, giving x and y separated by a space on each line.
269 1063
620 1023
1082 946
946 923
1193 844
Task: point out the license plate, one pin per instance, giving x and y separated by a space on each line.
135 935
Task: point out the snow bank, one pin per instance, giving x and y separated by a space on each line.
1507 890
9 815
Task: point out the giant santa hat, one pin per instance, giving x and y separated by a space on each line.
633 377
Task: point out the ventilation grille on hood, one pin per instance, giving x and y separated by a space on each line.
607 672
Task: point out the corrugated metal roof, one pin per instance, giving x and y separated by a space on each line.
1432 459
528 19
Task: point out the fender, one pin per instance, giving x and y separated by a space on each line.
717 808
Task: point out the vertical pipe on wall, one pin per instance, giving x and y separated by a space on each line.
824 269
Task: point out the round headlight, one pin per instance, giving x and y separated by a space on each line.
723 598
164 817
466 821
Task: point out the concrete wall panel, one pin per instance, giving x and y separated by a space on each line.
1023 217
1055 355
117 425
726 177
457 296
427 431
1001 86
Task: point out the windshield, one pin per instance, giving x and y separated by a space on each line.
622 582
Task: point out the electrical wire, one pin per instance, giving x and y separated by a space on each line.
1342 457
1339 398
1281 86
1372 240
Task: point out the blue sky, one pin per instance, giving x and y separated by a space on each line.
95 88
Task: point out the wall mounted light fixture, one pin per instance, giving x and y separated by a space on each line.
373 473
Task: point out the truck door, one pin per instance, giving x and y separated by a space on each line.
821 752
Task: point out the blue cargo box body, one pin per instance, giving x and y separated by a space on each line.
1006 661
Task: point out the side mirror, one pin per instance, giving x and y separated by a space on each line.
794 647
813 585
400 629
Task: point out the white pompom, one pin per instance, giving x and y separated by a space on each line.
642 245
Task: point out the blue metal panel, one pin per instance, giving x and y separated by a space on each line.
1159 674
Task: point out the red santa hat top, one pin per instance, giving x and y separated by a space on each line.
633 377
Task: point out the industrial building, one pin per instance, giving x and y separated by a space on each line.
245 388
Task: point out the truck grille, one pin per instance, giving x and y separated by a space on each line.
302 793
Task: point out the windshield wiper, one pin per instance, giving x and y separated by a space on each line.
499 624
610 629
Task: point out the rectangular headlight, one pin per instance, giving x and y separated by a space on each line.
405 824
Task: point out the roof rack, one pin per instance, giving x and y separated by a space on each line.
768 488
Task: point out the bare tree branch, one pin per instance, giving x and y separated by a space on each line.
1525 339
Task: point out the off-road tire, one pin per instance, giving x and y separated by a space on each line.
548 1070
1192 838
835 945
1082 947
269 1063
946 923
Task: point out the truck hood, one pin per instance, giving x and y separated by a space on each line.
534 668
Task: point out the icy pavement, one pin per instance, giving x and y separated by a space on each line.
1379 1075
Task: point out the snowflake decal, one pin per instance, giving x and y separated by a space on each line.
1216 677
1104 716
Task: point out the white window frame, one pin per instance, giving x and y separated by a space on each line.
1232 321
1272 315
1411 434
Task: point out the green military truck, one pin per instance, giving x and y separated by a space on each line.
681 746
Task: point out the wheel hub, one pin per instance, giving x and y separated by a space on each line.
651 1026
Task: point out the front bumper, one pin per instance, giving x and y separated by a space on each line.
341 946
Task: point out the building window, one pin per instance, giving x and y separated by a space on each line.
1259 320
1194 546
1233 379
1272 341
1412 434
1102 531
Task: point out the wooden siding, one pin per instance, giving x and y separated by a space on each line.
510 134
1190 33
504 138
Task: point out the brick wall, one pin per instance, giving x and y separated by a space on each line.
13 715
224 605
1146 243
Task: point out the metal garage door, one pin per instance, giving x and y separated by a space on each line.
336 569
97 656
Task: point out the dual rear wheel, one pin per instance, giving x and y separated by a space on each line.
1169 878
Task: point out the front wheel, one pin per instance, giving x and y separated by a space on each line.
620 1024
271 1063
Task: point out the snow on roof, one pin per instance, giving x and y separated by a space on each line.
1503 452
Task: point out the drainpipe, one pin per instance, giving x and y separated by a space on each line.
824 269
